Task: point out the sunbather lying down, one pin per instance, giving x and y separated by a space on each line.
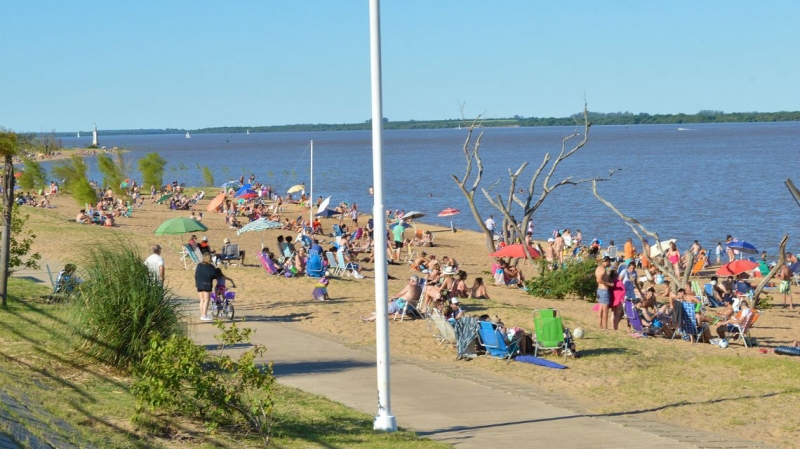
408 295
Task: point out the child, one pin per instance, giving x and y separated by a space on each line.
219 290
320 292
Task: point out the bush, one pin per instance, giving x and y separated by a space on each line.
152 168
574 278
34 176
180 377
121 306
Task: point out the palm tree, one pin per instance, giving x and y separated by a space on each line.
8 149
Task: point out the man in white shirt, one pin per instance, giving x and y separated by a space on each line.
490 224
155 263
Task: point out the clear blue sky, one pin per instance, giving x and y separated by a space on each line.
182 64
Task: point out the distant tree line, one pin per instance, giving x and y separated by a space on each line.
598 118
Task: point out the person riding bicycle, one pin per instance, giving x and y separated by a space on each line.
221 287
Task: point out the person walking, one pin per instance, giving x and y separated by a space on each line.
155 263
785 276
490 224
204 276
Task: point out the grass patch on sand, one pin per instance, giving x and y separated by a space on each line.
72 398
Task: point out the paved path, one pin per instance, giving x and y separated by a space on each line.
456 405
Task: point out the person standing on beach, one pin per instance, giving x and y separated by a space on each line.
397 233
719 252
785 276
629 251
204 276
603 293
155 263
490 224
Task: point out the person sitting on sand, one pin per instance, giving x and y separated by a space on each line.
455 311
728 325
513 276
460 289
82 217
408 295
478 290
438 294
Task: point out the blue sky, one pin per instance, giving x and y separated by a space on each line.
147 64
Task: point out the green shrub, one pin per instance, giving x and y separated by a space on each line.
208 177
34 176
574 278
177 376
152 168
121 305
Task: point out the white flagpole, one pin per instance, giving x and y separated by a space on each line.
311 190
384 420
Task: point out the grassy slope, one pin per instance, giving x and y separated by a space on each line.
42 371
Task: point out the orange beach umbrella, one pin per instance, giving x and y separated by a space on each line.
216 202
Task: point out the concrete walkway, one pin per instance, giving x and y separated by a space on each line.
455 405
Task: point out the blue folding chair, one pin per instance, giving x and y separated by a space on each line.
493 341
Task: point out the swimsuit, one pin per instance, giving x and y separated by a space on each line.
785 287
603 297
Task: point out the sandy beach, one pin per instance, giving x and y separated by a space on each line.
616 373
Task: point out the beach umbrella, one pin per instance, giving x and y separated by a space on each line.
743 247
243 189
327 213
657 250
323 205
180 225
258 225
405 225
449 212
413 214
219 199
516 251
297 188
164 198
736 267
248 194
17 174
125 184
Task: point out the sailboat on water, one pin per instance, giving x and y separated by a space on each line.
187 135
248 131
79 134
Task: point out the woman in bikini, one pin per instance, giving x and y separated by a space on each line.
674 258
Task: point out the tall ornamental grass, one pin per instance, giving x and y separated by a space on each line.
122 306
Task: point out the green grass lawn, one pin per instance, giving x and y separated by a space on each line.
73 399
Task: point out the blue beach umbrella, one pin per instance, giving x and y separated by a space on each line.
327 213
242 190
743 247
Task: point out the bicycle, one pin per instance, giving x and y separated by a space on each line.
224 305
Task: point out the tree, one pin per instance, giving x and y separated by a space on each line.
208 177
660 262
526 200
72 172
115 171
8 149
152 168
34 177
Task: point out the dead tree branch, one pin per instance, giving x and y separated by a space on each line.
774 271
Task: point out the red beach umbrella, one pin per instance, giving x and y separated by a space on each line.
516 251
449 212
18 174
736 267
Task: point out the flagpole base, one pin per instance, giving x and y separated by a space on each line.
385 423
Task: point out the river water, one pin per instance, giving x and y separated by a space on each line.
683 181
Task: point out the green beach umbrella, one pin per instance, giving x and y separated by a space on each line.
180 225
164 198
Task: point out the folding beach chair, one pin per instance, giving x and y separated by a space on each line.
314 266
742 330
191 254
688 321
548 332
445 333
634 319
494 342
230 252
333 265
466 329
411 309
347 268
337 230
267 264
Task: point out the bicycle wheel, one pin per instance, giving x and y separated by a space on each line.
229 311
215 309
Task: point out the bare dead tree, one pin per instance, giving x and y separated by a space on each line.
473 160
528 201
774 271
639 229
793 190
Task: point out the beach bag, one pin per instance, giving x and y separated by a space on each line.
499 277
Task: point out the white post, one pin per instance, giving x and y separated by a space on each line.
311 189
384 421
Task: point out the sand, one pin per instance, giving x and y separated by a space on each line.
605 380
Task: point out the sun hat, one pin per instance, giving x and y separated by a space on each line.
227 240
205 238
496 320
448 270
454 301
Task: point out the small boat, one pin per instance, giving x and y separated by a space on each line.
79 134
187 135
248 131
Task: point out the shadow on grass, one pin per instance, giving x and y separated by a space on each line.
291 369
288 318
585 353
695 403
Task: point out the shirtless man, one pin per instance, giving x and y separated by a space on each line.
409 294
83 218
785 276
603 294
559 248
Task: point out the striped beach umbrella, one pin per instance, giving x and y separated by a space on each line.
258 225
